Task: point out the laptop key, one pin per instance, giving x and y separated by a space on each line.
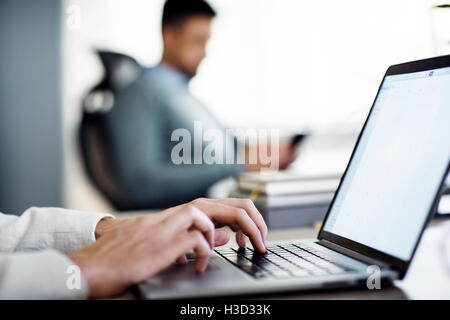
248 267
225 252
300 273
260 274
282 261
281 274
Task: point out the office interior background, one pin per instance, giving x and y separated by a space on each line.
296 65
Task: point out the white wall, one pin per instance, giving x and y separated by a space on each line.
287 63
314 62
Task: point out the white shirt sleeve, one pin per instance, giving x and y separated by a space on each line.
43 228
31 263
44 274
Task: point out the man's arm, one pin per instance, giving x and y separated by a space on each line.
130 250
43 228
40 275
45 274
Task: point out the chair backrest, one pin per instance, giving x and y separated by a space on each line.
95 146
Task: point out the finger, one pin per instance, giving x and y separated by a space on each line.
221 237
182 259
193 240
233 217
240 239
201 248
190 217
253 213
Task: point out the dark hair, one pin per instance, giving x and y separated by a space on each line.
175 12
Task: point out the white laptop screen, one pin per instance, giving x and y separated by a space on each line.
398 166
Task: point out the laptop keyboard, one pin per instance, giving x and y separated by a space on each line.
283 261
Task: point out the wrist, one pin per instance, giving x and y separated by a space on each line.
89 271
98 273
103 226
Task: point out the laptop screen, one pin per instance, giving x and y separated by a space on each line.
398 166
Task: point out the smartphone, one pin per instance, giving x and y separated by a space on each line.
297 139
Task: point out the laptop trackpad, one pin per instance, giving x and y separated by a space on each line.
187 269
178 273
183 278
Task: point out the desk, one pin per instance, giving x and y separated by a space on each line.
427 278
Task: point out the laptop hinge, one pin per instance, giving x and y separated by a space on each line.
353 254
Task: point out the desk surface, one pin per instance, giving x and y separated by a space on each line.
427 278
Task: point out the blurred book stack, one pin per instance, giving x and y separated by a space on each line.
286 199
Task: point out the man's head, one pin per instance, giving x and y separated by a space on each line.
186 28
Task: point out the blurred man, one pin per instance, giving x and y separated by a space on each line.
147 114
51 253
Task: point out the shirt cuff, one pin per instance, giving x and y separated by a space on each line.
61 229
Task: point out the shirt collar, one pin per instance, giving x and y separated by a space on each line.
169 75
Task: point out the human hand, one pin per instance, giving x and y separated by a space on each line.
240 215
279 159
287 154
130 250
221 212
221 235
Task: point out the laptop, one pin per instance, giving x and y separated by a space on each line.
389 190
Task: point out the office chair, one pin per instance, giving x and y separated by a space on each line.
120 71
